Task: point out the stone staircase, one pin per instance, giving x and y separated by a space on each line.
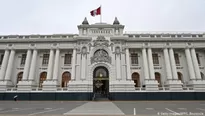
100 97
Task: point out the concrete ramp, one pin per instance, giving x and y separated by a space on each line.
96 108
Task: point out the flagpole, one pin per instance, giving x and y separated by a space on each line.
100 14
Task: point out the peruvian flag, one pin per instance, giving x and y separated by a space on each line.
96 12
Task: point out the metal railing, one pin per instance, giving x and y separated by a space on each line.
137 89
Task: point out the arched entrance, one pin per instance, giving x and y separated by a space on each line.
179 76
66 77
19 77
42 79
101 81
158 78
202 76
136 79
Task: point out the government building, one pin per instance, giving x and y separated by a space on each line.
103 61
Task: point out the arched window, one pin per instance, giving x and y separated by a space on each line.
19 77
66 77
136 79
43 76
202 76
158 78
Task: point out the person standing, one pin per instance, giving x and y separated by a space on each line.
15 97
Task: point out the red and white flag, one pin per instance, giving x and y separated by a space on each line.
96 12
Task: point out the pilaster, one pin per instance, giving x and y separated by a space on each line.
4 65
49 84
145 64
195 64
151 66
83 64
27 85
167 64
7 81
128 64
56 68
26 69
151 84
118 67
190 64
197 83
73 65
174 84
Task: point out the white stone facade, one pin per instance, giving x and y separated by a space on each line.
162 73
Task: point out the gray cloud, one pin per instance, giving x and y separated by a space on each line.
63 16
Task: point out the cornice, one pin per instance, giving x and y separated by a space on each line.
164 39
36 40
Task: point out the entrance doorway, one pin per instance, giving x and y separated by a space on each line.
101 81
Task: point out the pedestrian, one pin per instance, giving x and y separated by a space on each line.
15 97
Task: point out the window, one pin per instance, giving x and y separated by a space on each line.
23 59
176 57
137 36
67 59
45 59
158 35
193 35
155 59
179 36
130 35
152 36
1 58
200 35
198 59
134 58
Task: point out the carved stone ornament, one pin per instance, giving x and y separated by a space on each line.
100 56
117 50
84 50
100 41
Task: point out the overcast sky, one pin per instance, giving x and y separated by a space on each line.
63 16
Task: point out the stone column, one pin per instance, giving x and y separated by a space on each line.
128 64
118 67
4 64
83 60
27 65
10 65
33 65
173 64
151 66
56 65
145 64
73 65
167 64
50 65
190 65
196 65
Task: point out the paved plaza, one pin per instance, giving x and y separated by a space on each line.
138 108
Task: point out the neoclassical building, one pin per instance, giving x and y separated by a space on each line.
103 59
